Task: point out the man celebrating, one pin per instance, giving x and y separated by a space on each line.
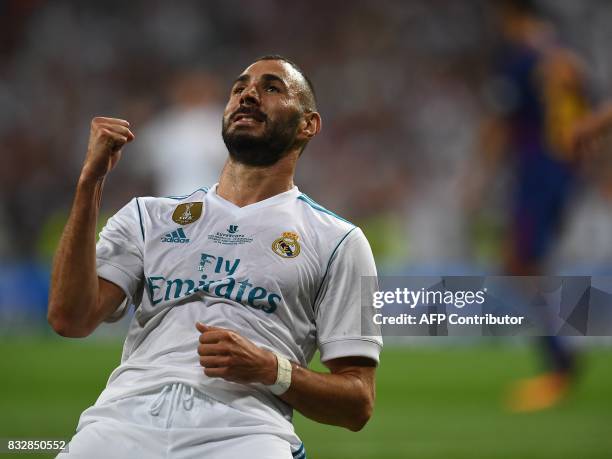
235 288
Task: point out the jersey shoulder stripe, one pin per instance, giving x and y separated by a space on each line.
140 219
320 208
180 198
331 257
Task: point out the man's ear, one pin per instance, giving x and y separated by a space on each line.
311 124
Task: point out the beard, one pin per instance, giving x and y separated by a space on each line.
261 150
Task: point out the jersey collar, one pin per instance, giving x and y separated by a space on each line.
288 195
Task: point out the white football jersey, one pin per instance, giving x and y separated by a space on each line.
283 272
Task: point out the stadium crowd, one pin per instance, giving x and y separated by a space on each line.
401 87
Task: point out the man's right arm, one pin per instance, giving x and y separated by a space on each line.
78 299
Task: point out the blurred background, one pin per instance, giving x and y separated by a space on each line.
446 136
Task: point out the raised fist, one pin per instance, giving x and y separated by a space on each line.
106 139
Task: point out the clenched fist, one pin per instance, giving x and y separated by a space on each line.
225 354
106 139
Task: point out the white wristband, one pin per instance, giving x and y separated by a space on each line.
283 375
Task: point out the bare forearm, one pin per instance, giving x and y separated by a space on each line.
74 282
78 300
342 399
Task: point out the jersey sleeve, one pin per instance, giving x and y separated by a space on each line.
344 326
119 254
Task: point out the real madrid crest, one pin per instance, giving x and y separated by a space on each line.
187 212
287 246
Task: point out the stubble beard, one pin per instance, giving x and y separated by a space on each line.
262 150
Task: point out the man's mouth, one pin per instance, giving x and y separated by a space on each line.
245 119
248 118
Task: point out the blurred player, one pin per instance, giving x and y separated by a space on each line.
589 132
246 279
538 90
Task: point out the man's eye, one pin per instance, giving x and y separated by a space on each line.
272 89
238 89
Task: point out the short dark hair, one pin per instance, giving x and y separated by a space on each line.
308 97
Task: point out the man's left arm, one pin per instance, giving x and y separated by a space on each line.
344 397
349 346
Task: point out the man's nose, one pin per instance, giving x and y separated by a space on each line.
249 95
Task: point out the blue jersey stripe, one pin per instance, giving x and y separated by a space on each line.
140 218
320 208
330 261
178 198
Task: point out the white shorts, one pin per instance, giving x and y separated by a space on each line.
178 422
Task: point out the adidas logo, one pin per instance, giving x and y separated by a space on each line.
177 236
